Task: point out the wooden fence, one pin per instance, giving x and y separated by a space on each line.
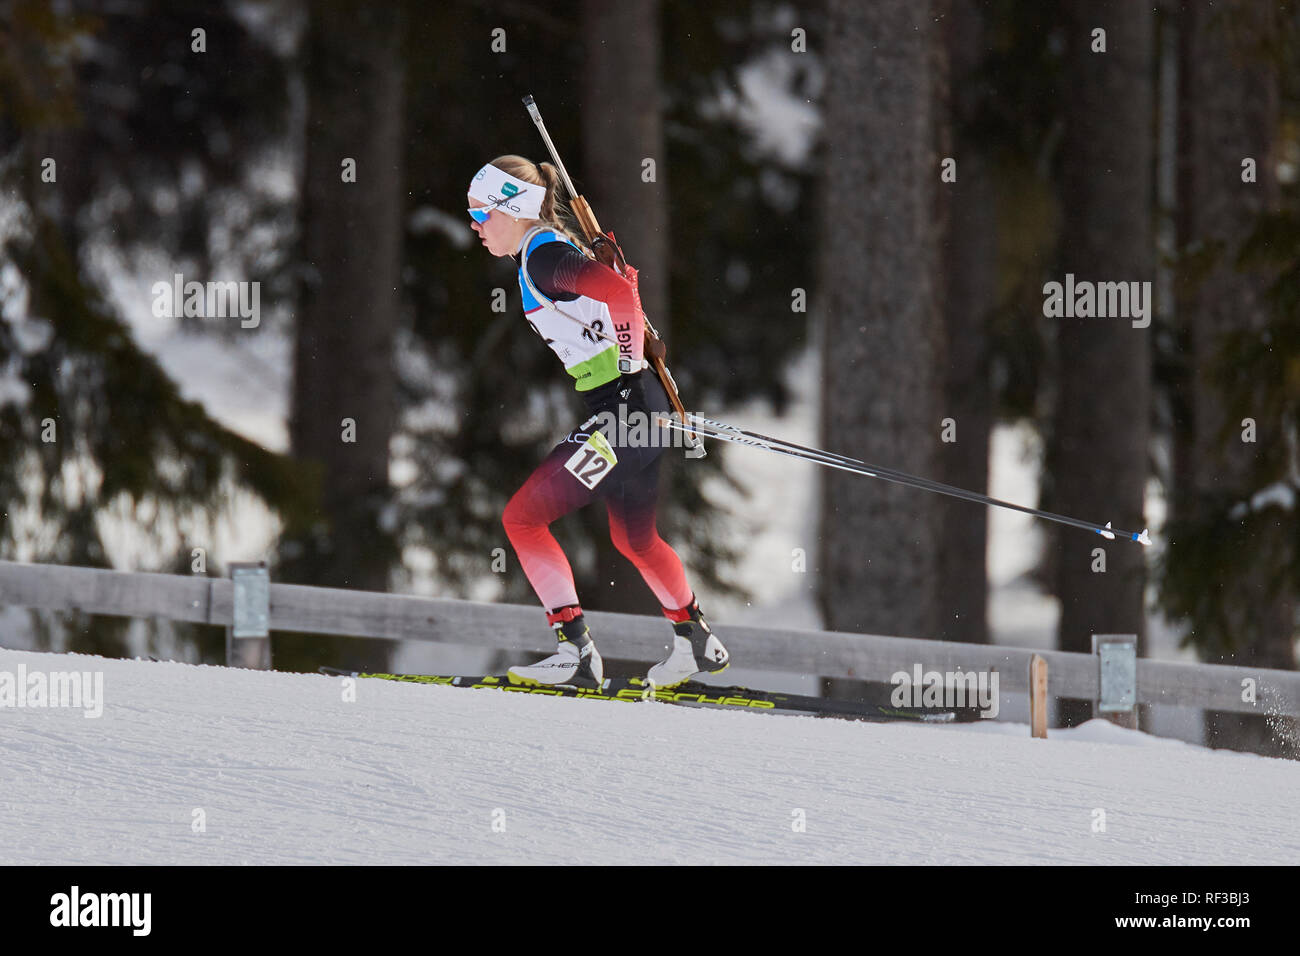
292 607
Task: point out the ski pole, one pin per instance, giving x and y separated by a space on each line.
828 455
710 428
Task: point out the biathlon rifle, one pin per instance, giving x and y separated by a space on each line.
605 249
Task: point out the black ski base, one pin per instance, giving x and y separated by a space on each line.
691 694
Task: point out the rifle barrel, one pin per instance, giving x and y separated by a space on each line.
536 114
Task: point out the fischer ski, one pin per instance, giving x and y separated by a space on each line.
689 694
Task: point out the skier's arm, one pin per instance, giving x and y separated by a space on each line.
557 267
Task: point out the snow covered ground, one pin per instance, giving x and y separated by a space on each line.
206 765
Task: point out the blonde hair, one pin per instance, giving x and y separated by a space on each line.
547 176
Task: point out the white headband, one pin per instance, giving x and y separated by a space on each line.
495 187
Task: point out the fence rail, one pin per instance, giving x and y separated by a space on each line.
299 608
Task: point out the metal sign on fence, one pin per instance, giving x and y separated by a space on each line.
252 609
1117 667
248 641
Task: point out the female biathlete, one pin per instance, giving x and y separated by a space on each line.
513 204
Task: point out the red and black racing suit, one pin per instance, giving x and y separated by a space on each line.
629 490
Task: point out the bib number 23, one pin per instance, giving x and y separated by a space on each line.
593 460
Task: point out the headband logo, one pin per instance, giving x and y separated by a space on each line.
501 201
509 188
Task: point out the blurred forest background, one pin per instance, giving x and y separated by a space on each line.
798 199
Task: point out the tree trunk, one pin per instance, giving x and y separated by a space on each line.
622 126
1098 459
1229 111
971 270
880 291
351 247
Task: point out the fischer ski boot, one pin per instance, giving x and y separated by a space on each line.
576 660
696 649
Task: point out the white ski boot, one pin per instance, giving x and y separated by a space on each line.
696 650
575 662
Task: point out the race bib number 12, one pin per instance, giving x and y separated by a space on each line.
593 460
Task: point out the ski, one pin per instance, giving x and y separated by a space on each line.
689 694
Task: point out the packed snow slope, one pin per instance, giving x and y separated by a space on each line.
207 765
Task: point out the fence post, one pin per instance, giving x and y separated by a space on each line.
248 639
1038 696
1117 670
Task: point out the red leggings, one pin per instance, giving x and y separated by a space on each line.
629 489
